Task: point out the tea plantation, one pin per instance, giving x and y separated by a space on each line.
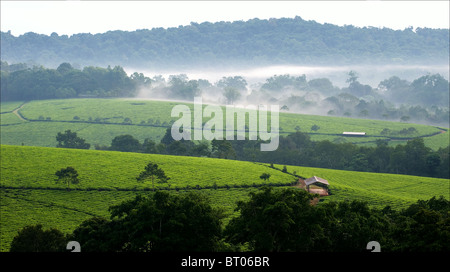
31 193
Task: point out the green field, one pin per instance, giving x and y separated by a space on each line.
30 193
9 106
378 189
34 167
100 120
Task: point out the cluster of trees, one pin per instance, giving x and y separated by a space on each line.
429 90
259 42
226 90
425 99
67 82
272 220
167 145
413 158
70 139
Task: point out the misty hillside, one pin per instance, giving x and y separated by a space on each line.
254 42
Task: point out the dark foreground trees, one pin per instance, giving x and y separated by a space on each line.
163 222
283 220
271 220
34 238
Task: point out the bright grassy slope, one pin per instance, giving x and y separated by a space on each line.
115 111
438 141
398 191
35 167
44 133
9 106
108 178
9 119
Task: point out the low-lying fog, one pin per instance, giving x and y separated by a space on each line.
371 75
302 101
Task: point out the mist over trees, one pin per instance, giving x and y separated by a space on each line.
422 100
254 42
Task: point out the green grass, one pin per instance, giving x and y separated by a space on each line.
30 193
337 125
378 189
36 133
35 167
437 141
149 119
10 118
114 110
9 106
44 133
343 139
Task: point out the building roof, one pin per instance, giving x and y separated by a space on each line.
315 179
353 133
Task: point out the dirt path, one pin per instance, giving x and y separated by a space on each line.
16 112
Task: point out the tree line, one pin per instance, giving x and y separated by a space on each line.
67 82
412 158
259 42
271 220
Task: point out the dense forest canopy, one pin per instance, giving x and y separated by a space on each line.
254 42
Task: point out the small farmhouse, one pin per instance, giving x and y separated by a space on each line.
320 182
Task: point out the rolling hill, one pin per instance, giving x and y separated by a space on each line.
100 120
31 194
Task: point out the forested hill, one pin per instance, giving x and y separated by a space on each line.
253 42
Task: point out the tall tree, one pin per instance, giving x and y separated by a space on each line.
223 149
125 143
430 90
236 82
69 139
152 172
68 175
182 88
416 152
231 94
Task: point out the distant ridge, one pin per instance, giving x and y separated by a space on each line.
245 43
